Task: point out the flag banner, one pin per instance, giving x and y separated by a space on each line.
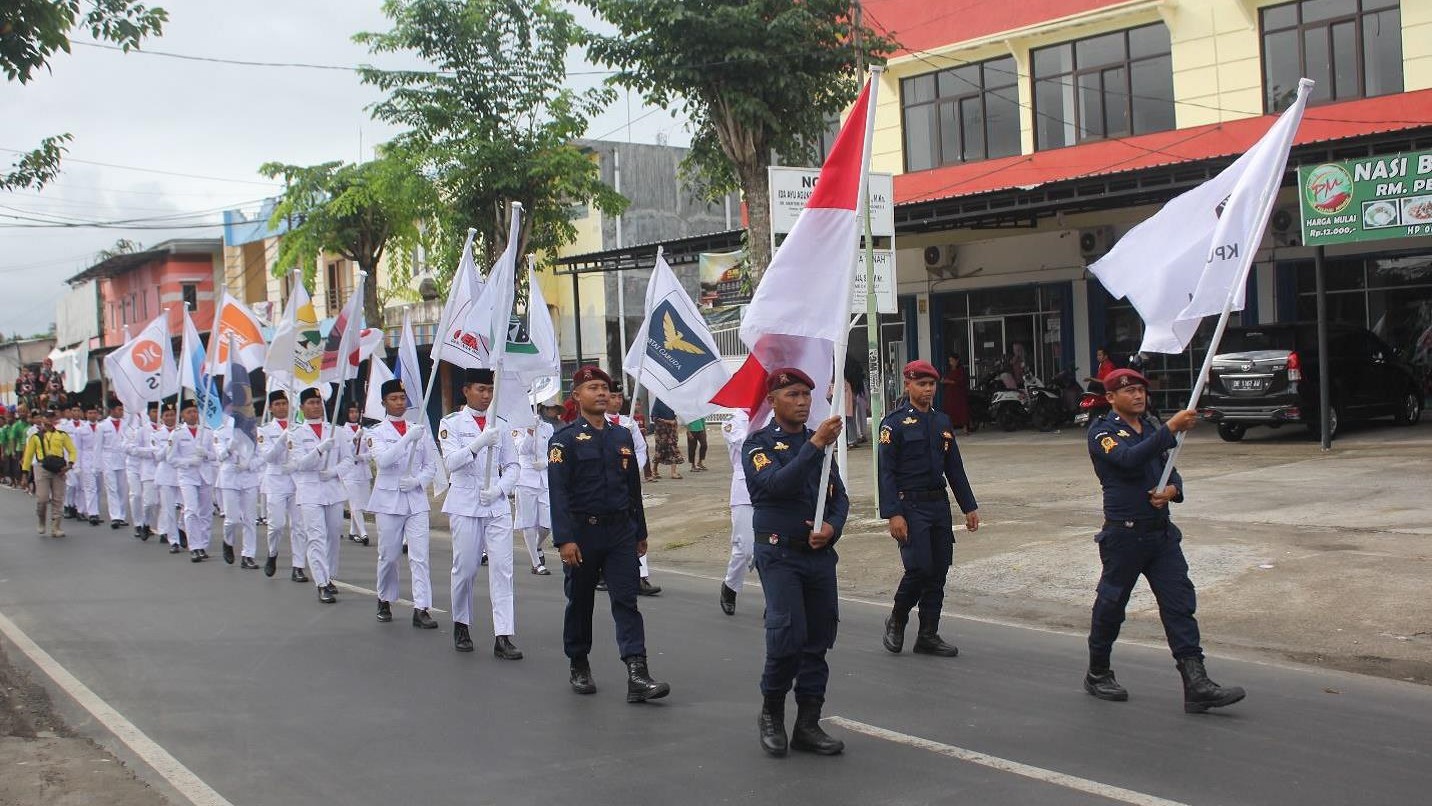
531 339
233 319
343 340
238 399
1182 263
193 376
407 369
800 309
142 370
293 357
378 374
449 345
674 355
488 323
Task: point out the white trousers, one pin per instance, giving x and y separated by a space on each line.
149 504
89 488
73 494
743 546
470 538
283 514
116 494
321 525
393 530
168 501
135 487
359 491
198 513
240 506
534 520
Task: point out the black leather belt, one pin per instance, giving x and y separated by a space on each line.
603 518
1144 525
937 494
796 543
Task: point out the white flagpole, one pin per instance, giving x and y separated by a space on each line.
497 384
641 359
837 403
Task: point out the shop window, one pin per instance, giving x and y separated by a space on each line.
1351 48
962 114
189 292
1112 85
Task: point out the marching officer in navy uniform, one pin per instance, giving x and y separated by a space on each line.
1129 451
917 457
599 527
795 560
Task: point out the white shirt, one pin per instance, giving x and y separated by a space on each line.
111 444
531 447
307 461
189 447
468 473
735 430
273 450
395 459
357 468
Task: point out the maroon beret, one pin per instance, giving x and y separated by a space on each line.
1120 378
785 376
589 372
920 369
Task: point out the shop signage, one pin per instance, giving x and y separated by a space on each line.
790 187
1366 199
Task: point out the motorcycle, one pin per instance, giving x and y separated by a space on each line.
1055 403
980 399
1092 404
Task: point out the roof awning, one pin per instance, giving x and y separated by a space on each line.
678 251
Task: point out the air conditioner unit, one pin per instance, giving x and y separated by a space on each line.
940 259
1284 226
1096 242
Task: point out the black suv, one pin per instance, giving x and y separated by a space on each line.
1268 375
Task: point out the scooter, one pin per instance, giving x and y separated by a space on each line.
1092 405
1056 403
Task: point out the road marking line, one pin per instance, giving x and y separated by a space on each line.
371 592
1076 783
180 777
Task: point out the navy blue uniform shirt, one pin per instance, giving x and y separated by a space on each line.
917 453
1129 464
592 471
783 477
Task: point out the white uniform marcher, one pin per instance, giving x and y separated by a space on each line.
89 466
74 497
316 452
357 479
191 453
630 424
278 490
240 471
407 462
534 507
480 516
743 531
112 465
158 477
134 472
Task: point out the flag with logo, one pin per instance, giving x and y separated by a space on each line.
801 308
238 398
142 370
488 322
192 376
675 355
342 345
293 357
452 343
531 339
234 322
1183 263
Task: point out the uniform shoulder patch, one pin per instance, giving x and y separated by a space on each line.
1108 443
760 460
442 434
884 435
370 442
261 439
554 455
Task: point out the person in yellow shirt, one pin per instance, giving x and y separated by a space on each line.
49 454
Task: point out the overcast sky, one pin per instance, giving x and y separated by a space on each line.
214 123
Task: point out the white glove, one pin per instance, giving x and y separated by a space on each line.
327 474
221 454
407 484
487 438
415 432
325 443
488 495
540 461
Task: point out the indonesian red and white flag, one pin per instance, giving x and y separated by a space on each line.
800 309
233 318
344 340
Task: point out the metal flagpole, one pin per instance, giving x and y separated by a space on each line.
838 399
641 359
497 385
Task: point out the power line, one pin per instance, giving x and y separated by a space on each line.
151 170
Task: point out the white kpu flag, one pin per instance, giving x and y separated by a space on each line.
378 374
1182 264
674 355
450 344
143 369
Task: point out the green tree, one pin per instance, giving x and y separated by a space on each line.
31 31
493 122
358 211
755 77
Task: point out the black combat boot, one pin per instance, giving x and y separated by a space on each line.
582 676
728 600
895 631
504 649
461 639
772 724
1200 693
928 641
640 686
808 735
1099 681
385 611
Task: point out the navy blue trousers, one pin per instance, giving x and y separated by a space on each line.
802 610
1157 556
608 550
927 554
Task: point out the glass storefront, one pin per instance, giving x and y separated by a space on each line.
1171 375
1023 327
1389 294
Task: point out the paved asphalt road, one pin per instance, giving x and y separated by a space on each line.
272 698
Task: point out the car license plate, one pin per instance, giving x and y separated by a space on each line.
1246 384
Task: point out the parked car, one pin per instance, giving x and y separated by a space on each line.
1268 375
